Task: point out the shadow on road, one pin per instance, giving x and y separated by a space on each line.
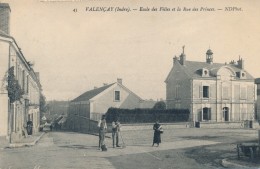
79 147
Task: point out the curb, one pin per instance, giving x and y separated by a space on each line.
227 164
17 145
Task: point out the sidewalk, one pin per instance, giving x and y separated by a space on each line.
30 140
3 143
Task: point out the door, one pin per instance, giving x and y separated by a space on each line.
226 114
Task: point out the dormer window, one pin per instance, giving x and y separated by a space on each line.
241 74
205 72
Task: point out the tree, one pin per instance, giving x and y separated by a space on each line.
160 105
43 106
15 91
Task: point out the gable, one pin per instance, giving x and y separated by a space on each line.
177 71
91 93
117 87
226 71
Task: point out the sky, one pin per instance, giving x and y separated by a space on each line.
75 51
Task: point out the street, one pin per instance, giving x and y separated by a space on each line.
180 148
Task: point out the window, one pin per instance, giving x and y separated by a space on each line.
206 113
205 72
117 95
258 92
205 91
23 80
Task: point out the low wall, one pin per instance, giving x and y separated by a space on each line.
149 126
238 124
221 125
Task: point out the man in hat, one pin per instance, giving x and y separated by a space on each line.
102 130
115 132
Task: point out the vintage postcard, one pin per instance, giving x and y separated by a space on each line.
123 84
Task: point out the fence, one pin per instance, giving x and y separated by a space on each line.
81 124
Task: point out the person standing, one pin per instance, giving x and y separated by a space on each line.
157 133
115 132
102 131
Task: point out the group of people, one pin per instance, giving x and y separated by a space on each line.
102 125
115 132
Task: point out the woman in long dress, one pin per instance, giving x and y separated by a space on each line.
157 133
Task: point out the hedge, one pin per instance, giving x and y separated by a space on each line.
147 115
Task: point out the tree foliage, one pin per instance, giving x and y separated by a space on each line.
147 115
15 91
160 105
43 106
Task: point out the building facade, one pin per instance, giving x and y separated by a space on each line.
86 110
94 103
257 105
213 92
19 97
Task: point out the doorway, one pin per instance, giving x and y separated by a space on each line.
226 113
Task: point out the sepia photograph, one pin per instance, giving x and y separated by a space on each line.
129 84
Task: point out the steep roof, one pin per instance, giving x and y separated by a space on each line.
91 93
192 68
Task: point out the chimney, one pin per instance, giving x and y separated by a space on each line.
119 80
175 59
5 11
183 56
241 63
232 62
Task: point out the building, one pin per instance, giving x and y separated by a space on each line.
213 92
92 104
20 85
257 107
